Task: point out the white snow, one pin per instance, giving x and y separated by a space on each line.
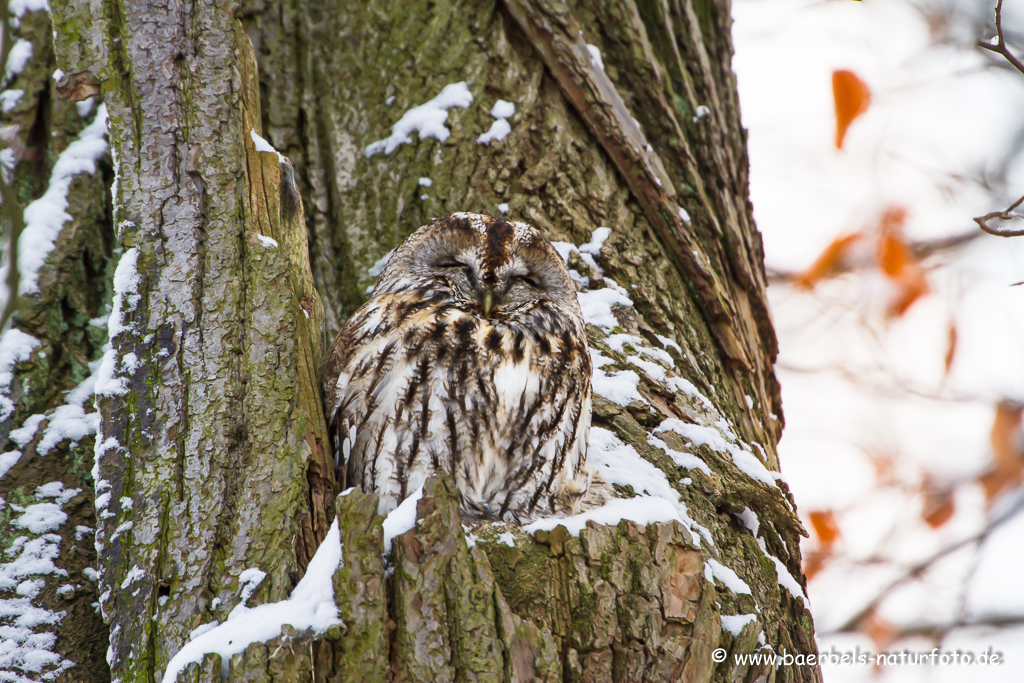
264 146
619 463
15 347
126 298
595 56
267 241
786 579
17 58
19 7
597 306
684 215
620 388
311 606
734 623
401 519
25 641
499 129
8 460
426 182
84 108
133 575
749 519
597 240
685 460
9 99
106 383
24 434
41 517
728 577
46 216
642 510
503 208
501 111
700 435
427 119
508 539
70 421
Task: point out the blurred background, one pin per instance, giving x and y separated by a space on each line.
879 130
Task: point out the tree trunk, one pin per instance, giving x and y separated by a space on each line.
212 458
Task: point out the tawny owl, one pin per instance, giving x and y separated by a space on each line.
469 357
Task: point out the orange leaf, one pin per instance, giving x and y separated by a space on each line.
1006 433
1008 448
950 345
815 561
852 98
911 285
880 631
893 256
938 507
824 523
831 262
896 260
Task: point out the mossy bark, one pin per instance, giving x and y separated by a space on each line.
65 317
215 459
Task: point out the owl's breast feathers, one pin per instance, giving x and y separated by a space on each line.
470 357
427 385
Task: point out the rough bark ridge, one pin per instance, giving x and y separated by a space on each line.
212 459
212 452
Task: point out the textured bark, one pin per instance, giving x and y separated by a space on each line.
214 455
65 316
215 460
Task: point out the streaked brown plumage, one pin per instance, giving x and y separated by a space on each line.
469 357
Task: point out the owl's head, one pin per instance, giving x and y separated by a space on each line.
493 267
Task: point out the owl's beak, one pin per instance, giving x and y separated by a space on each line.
487 300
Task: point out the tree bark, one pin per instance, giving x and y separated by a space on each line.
212 455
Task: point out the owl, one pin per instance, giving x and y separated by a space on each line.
470 357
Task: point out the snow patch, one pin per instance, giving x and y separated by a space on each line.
501 111
620 388
734 623
46 216
728 577
263 146
401 519
15 347
427 119
310 606
9 99
17 58
642 510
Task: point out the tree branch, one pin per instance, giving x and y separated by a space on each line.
1000 48
854 622
1006 215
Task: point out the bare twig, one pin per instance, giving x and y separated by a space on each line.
1006 215
1000 47
854 622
